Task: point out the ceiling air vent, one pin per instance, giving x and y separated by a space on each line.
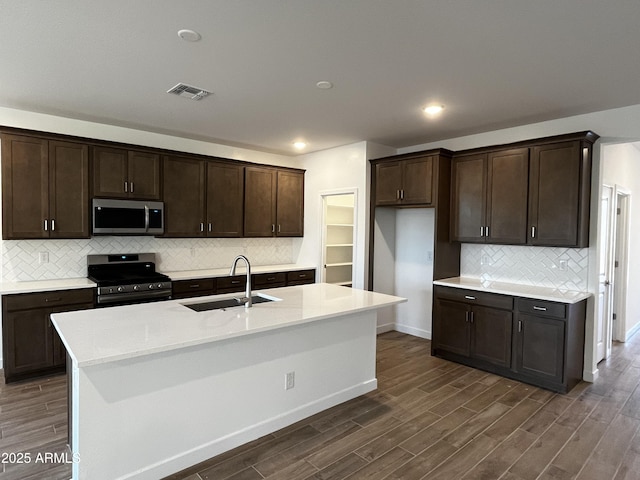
183 90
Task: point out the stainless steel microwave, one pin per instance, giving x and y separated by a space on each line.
127 217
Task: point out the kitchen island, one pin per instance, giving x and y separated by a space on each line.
158 387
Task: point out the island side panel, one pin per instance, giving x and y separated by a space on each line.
151 416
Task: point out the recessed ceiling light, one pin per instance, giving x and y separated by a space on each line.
299 145
433 109
189 35
324 85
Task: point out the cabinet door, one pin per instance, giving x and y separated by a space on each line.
452 331
143 175
184 200
555 194
69 190
540 344
388 183
468 198
259 202
507 191
491 335
225 198
27 341
290 204
109 172
417 181
25 187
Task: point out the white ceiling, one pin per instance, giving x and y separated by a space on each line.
493 63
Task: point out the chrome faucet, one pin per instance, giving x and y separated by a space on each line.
246 300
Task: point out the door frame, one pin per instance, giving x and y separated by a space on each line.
622 204
323 230
605 281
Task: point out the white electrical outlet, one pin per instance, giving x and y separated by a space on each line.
289 380
563 264
43 257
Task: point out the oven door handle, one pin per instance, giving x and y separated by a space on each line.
134 297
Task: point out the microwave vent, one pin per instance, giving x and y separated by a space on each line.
184 90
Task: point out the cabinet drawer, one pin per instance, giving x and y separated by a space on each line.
541 308
268 280
301 277
233 284
55 298
194 288
474 297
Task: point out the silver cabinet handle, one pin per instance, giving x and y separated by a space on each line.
202 227
519 325
279 229
482 231
471 317
131 187
486 231
533 232
541 309
401 194
469 297
53 225
466 317
126 187
273 228
209 226
46 225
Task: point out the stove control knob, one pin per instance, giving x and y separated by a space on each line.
151 286
160 285
136 288
121 289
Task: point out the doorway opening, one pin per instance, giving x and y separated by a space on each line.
338 238
612 281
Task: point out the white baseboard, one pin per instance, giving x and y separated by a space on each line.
416 332
221 445
590 376
387 327
632 332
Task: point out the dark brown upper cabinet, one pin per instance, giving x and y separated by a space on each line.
184 196
534 193
490 197
225 199
559 194
45 188
119 173
273 202
405 182
202 198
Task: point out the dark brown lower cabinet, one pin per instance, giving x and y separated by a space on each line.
534 341
30 344
473 326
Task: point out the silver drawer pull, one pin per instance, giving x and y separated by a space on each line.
469 297
541 309
194 285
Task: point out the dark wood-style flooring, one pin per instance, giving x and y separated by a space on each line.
429 419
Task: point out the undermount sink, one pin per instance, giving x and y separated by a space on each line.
225 303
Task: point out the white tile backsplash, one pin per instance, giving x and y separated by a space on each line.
564 268
68 258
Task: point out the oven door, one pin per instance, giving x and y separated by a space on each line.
127 217
112 300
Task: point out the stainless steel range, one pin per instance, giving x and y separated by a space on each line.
127 278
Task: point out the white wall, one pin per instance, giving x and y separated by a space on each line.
614 126
331 171
621 167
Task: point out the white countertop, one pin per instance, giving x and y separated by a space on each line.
7 288
241 270
116 333
33 286
515 289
